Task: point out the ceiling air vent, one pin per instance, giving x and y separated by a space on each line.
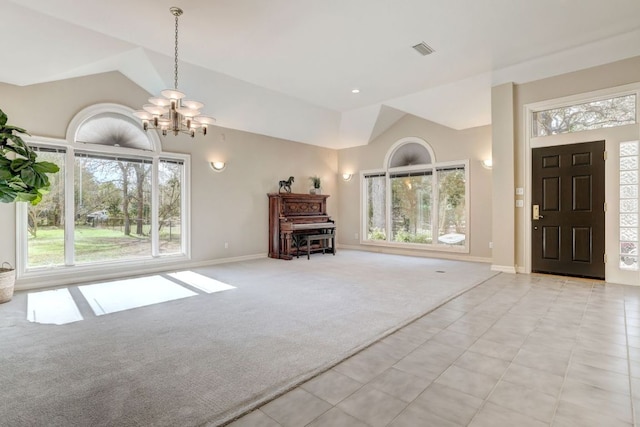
423 49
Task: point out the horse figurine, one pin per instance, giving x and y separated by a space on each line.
286 185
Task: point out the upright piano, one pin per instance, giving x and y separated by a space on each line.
292 214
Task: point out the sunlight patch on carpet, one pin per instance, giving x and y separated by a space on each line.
55 307
204 283
120 295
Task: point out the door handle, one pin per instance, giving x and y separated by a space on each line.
536 212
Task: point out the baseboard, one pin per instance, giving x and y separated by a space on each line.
227 260
521 270
397 251
503 268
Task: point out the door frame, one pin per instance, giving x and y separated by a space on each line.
611 136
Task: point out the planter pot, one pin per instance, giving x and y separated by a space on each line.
314 191
7 282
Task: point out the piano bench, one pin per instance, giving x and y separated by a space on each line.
309 238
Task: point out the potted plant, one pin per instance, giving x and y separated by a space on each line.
22 179
315 181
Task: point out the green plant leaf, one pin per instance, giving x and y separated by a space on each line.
27 197
46 167
22 178
29 176
5 173
16 129
19 164
17 184
7 195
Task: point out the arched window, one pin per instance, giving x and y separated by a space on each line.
415 201
117 198
115 130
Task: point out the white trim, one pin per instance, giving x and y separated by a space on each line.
586 97
386 249
95 109
503 268
408 140
441 247
155 199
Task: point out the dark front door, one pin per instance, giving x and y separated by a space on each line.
568 190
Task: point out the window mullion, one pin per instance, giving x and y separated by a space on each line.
69 207
155 205
388 213
435 210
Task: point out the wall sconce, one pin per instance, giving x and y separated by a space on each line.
487 164
347 176
218 166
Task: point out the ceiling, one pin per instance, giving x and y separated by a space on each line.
286 68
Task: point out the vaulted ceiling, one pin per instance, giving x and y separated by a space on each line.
286 68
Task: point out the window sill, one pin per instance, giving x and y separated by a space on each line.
418 246
57 275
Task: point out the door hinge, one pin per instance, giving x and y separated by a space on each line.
605 258
604 155
605 206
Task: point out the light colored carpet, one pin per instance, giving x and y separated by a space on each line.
207 359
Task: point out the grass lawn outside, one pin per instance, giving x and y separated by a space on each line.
95 244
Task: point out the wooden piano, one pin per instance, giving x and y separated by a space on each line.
294 215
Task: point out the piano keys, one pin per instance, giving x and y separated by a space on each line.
291 214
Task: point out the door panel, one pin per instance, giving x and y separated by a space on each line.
551 242
568 186
551 194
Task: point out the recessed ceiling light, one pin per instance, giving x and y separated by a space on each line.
355 90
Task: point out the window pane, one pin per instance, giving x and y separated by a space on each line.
170 209
604 113
45 241
112 209
411 209
628 217
376 207
452 222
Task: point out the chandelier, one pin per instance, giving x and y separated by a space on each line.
171 112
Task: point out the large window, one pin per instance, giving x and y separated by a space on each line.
115 199
170 179
375 206
45 221
411 207
112 208
416 201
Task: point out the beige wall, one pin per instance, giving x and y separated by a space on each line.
602 77
230 206
503 177
448 145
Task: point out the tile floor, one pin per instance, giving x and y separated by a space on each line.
518 350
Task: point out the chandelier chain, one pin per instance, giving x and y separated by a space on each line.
175 65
